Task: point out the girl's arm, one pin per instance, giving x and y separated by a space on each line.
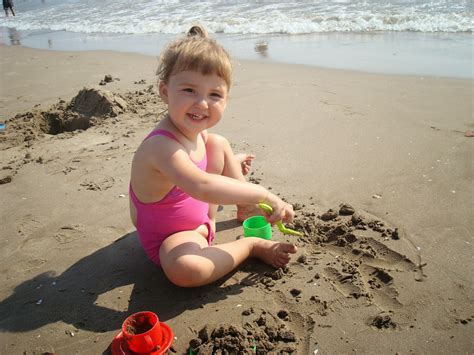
174 163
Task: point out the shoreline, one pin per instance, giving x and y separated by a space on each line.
12 103
392 146
405 53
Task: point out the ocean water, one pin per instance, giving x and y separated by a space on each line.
402 36
243 17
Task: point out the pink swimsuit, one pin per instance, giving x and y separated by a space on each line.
175 212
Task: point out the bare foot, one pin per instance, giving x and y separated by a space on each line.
245 161
275 254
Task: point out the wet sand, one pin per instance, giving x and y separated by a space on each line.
377 166
418 53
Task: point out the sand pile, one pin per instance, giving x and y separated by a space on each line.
337 226
261 334
93 102
90 107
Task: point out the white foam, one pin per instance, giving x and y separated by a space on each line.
239 17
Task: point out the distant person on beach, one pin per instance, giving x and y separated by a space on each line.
181 173
8 5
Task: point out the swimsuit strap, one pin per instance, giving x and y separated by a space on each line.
162 132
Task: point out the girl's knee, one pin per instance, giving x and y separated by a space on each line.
186 271
217 148
181 261
216 141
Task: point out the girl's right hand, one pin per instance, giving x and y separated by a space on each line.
282 211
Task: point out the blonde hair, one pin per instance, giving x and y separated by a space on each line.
195 52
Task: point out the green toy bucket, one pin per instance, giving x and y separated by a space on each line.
257 226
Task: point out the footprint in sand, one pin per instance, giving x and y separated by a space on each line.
29 224
70 233
363 265
349 285
383 257
29 265
370 264
382 290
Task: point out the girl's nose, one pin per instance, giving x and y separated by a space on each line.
201 102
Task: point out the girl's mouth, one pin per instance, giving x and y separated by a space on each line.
196 117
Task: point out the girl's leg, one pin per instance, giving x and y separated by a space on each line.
222 161
188 261
186 257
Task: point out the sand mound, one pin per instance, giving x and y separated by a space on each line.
89 107
261 335
94 102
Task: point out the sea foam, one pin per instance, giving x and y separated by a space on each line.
243 17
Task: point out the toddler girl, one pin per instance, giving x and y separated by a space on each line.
180 173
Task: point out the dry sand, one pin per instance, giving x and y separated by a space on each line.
391 273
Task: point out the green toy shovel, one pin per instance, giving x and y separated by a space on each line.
268 209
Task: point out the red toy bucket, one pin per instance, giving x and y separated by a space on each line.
142 333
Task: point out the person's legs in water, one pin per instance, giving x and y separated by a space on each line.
8 5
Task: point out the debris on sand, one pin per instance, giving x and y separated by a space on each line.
5 180
107 79
383 321
346 210
329 215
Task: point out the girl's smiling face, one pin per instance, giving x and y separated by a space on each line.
195 101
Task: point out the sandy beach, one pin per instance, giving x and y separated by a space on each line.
378 168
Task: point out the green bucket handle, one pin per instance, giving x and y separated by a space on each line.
268 209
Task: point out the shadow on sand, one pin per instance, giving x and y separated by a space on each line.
72 297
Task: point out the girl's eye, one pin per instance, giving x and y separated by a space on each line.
216 94
188 90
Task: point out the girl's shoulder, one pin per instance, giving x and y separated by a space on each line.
158 143
164 142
